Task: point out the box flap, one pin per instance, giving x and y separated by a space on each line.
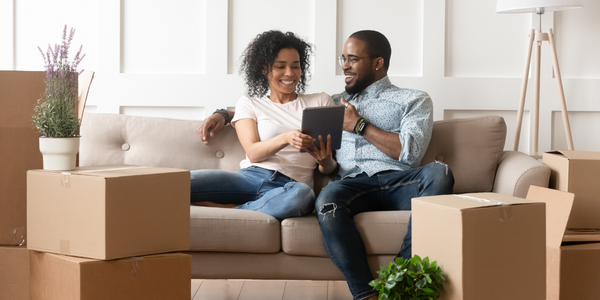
558 209
573 154
473 200
582 235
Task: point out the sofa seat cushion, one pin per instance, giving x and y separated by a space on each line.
382 233
233 230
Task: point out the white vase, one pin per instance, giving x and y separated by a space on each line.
59 153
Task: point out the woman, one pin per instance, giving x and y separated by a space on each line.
275 178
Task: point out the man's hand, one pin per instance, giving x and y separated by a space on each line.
351 116
210 126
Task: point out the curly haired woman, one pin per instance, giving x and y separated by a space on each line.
275 178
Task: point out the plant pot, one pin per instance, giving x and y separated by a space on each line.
59 153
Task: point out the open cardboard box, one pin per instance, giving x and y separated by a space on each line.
577 172
109 212
489 246
573 268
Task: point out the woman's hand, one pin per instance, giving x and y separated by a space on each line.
210 127
323 155
298 140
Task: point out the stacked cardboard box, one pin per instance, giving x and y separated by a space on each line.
489 246
19 152
19 149
577 172
14 273
96 232
573 267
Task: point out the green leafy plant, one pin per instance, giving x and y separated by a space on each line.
415 279
55 114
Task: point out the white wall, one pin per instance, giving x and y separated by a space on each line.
179 58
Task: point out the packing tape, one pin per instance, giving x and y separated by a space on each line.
136 265
66 176
65 246
18 236
505 214
65 179
114 169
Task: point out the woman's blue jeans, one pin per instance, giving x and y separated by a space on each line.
341 200
254 188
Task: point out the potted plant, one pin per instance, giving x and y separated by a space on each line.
55 115
415 279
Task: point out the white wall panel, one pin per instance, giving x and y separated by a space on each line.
482 43
6 34
179 59
510 118
250 18
39 23
578 41
585 128
164 37
400 21
173 112
90 109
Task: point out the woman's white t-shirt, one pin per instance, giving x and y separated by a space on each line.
274 119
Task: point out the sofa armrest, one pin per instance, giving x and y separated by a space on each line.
517 171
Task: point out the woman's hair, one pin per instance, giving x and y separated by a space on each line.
259 56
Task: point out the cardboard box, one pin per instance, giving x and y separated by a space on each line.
19 149
109 212
160 277
14 273
489 246
577 172
573 268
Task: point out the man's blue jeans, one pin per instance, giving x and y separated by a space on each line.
341 200
254 188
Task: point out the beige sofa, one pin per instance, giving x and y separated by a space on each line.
238 244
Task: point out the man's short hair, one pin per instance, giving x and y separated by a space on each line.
376 45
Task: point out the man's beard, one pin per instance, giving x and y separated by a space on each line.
360 84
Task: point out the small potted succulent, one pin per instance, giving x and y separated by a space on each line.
55 115
415 279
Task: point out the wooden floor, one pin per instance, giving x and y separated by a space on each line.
205 289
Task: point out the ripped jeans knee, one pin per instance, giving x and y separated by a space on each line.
443 164
328 208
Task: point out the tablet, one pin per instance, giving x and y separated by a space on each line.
324 120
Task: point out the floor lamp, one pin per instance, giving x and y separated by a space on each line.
539 7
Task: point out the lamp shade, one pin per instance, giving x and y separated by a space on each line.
528 6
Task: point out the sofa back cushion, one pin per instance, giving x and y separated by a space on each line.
471 147
157 142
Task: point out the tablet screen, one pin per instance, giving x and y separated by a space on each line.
324 120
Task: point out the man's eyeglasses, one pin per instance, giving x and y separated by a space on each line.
350 60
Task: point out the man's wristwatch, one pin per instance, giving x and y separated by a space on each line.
224 113
360 126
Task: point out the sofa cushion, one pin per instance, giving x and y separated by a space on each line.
472 149
233 230
382 233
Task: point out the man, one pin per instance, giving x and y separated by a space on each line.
386 132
